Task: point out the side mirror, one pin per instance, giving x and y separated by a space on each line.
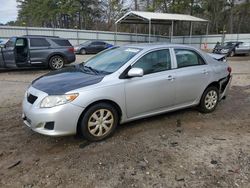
135 72
2 46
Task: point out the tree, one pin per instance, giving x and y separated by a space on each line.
101 14
111 11
58 13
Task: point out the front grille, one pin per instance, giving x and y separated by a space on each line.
31 98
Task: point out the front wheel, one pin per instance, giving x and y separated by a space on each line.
99 122
83 51
209 100
232 53
56 62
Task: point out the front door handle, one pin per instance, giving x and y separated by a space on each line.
170 78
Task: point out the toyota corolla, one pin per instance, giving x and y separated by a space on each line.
122 84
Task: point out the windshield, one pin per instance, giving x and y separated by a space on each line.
229 43
111 60
86 43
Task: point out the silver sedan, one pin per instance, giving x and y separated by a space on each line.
122 84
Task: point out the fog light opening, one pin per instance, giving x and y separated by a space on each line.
39 125
49 125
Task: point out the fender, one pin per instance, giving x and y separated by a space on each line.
53 54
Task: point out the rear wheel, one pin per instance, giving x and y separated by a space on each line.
209 100
99 122
56 62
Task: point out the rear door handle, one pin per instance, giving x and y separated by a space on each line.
170 78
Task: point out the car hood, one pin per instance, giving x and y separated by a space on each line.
224 47
61 81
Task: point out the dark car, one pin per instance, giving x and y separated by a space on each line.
230 48
91 47
36 51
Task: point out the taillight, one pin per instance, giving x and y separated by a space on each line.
71 49
229 69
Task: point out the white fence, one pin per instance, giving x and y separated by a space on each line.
200 41
79 36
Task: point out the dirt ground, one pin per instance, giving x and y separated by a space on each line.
179 149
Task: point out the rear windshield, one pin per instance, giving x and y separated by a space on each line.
39 42
61 42
230 43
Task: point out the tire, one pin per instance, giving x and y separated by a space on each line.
91 122
56 62
232 53
209 100
83 51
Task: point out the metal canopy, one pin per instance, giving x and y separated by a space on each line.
138 17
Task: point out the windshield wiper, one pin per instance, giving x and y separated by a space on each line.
87 69
91 69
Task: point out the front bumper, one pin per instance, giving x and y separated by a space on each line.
64 117
71 58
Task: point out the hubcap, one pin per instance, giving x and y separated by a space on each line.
57 62
83 51
100 122
211 99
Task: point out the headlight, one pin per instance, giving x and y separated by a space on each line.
55 100
225 50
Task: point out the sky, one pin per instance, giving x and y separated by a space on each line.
8 11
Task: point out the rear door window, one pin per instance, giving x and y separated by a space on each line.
186 58
39 42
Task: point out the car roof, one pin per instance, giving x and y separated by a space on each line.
148 46
41 36
97 41
94 41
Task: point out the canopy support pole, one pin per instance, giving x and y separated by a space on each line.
205 44
190 34
136 32
207 32
172 31
149 32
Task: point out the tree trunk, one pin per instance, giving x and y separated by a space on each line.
136 5
165 6
231 17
